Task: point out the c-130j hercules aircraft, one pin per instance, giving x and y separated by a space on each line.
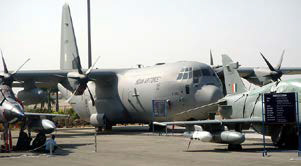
105 97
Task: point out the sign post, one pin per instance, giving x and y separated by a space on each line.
298 126
264 152
279 108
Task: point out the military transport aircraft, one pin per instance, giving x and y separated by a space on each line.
259 75
105 97
242 109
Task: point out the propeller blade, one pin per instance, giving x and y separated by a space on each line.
20 67
4 64
73 94
91 96
268 63
280 61
211 58
89 70
60 76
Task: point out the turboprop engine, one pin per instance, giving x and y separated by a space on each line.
97 120
42 125
32 96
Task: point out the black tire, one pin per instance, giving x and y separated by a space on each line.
234 147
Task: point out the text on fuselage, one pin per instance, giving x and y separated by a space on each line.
149 80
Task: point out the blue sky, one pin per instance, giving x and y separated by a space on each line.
131 32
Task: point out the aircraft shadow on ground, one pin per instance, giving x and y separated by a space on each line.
65 149
67 133
247 148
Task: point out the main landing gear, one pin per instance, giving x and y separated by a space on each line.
234 147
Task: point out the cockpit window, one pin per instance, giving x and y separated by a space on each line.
206 72
196 75
185 73
185 76
180 76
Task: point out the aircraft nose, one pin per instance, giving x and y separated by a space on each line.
13 112
208 94
17 112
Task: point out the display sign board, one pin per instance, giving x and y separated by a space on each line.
280 108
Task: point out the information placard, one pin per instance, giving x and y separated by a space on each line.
159 108
280 108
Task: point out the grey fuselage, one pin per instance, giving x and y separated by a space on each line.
128 97
249 104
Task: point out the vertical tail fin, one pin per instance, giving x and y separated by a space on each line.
69 51
233 82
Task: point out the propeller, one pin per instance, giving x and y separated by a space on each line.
8 78
275 73
82 79
211 58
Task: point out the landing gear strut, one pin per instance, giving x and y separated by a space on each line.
286 137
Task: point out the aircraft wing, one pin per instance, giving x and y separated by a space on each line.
248 71
221 122
290 70
257 75
199 113
31 114
50 78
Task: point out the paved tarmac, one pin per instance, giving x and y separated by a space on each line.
131 146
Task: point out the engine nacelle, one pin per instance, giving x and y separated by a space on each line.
42 125
97 120
32 96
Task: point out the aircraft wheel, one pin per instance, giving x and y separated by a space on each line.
234 147
287 138
99 129
108 127
157 128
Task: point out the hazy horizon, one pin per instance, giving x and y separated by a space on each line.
127 33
